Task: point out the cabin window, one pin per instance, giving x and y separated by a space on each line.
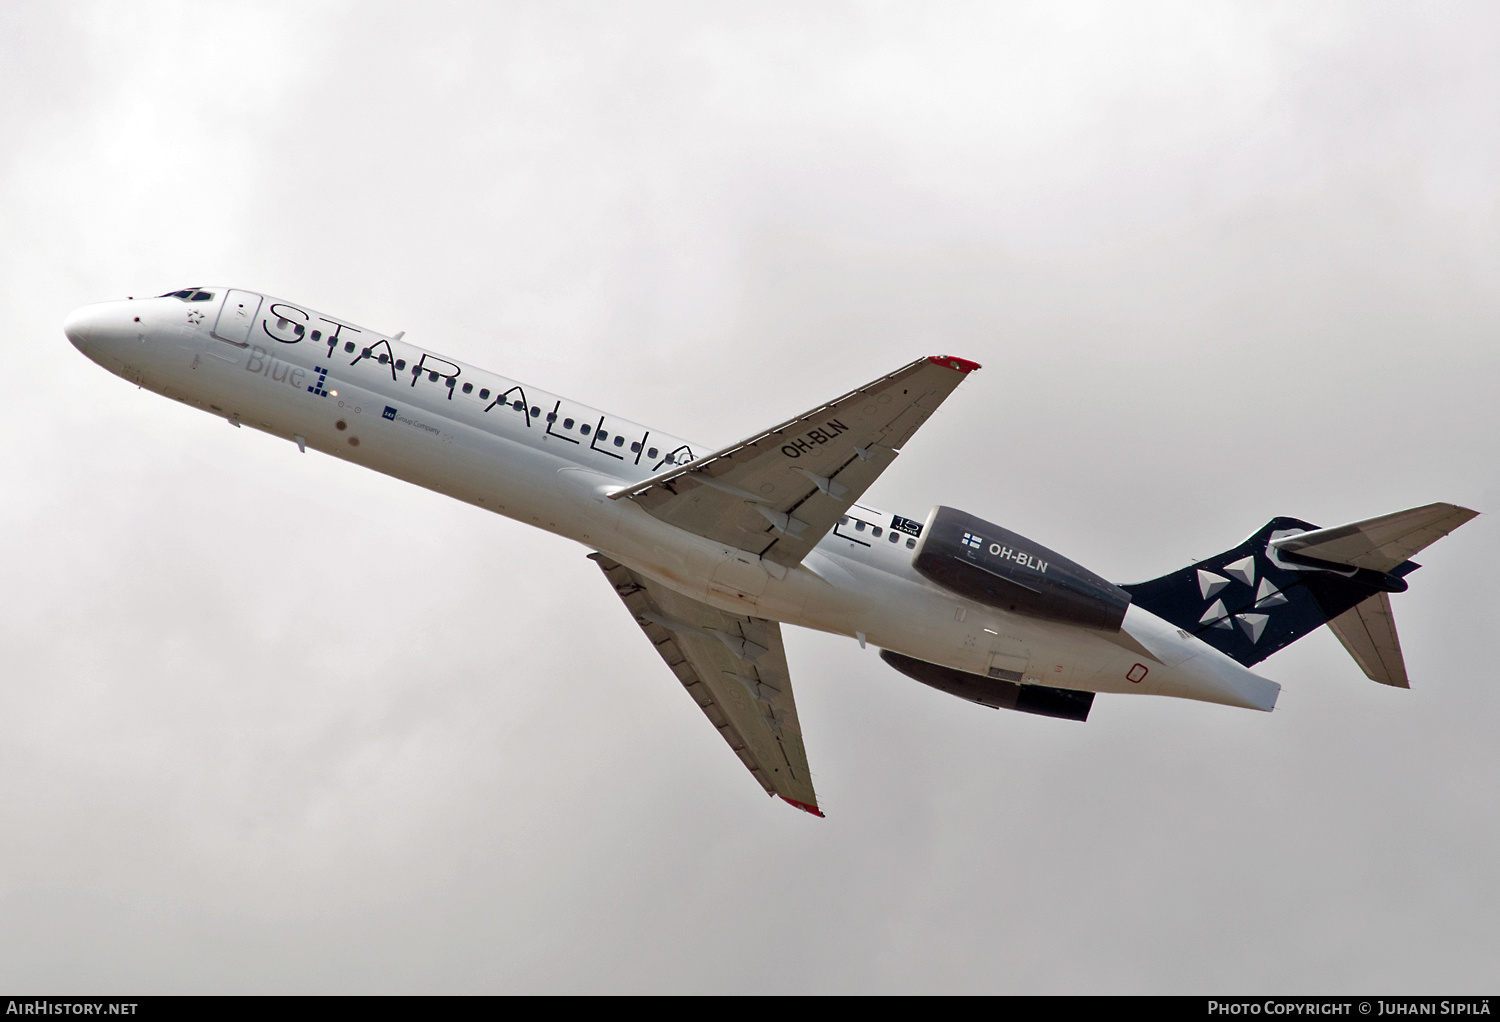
619 440
484 394
431 376
551 417
364 353
317 335
518 406
468 388
671 459
859 526
584 430
911 544
895 537
875 532
567 424
349 346
535 412
384 358
451 382
603 434
400 363
651 453
635 447
843 519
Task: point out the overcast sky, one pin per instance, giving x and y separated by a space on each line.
274 723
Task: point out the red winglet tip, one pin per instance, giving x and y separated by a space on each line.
803 806
963 365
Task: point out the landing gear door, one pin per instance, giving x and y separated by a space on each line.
236 317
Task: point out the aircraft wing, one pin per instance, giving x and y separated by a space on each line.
735 669
779 492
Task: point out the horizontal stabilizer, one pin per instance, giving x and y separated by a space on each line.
1368 632
1378 543
1291 577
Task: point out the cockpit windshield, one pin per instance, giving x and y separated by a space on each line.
191 294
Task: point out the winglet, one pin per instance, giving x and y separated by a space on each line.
803 806
963 365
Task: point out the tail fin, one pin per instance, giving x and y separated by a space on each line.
1291 577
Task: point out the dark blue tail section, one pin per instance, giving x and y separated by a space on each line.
1253 600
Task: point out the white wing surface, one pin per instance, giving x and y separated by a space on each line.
735 669
779 492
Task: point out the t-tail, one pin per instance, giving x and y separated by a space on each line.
1291 577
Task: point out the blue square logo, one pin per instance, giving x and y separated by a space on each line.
389 413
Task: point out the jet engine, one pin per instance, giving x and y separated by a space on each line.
1001 695
996 567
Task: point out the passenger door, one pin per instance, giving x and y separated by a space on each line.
236 317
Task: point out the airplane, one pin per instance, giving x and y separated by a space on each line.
711 551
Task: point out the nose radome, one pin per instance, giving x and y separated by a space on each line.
79 324
103 326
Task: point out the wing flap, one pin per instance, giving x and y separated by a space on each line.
1368 631
779 492
735 669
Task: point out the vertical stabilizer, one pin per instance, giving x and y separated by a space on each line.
1291 576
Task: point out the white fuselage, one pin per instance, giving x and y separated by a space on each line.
551 462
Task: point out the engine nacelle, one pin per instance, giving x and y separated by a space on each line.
996 567
1001 695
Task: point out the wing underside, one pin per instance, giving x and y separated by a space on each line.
735 669
778 493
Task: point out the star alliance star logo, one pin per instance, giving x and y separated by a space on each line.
1243 571
194 316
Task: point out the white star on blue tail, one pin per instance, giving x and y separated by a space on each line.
1209 583
1253 624
1216 616
1242 569
1268 595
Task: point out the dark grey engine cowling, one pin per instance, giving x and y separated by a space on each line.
1002 695
994 566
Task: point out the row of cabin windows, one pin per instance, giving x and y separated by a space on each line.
603 434
875 530
520 406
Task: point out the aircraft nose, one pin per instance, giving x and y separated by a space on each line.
96 325
79 325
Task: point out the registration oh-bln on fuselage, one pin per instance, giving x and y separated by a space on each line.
712 550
